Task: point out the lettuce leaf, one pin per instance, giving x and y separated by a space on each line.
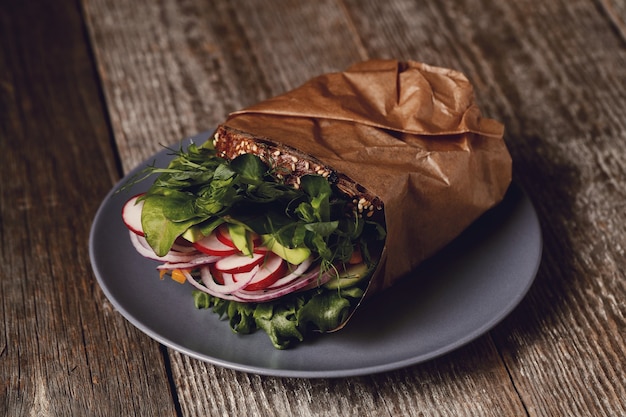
288 320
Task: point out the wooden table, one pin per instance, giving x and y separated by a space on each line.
89 89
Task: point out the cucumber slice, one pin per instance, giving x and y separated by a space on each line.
350 277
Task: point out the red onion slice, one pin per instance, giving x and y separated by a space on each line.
313 277
202 288
141 245
230 286
198 260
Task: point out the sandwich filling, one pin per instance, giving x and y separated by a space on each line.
269 238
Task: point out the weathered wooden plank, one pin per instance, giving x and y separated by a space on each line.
224 56
171 69
457 385
63 351
554 72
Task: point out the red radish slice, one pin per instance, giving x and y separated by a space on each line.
239 281
131 214
262 296
295 274
218 276
272 269
230 286
260 249
211 245
238 263
223 236
141 245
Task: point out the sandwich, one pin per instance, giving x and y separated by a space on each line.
300 207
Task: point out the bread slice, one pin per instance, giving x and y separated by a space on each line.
291 164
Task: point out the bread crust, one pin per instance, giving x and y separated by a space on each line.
290 165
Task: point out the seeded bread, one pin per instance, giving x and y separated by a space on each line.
290 165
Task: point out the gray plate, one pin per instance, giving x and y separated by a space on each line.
449 301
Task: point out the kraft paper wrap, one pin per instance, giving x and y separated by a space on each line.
408 132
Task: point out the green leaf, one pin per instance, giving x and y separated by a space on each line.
279 322
209 225
249 167
160 231
241 317
306 212
321 247
325 311
322 228
201 299
319 191
223 173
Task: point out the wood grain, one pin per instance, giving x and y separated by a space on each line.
453 386
533 65
553 72
191 378
63 350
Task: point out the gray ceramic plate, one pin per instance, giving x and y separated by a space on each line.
451 300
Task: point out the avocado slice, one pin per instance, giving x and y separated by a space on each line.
193 234
294 256
241 238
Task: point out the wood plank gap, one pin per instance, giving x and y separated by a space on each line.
112 143
510 375
170 380
618 21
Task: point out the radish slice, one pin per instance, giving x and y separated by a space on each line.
141 245
238 263
230 285
310 278
218 276
271 270
131 215
295 274
260 249
223 236
211 245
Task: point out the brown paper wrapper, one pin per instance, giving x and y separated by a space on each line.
409 133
